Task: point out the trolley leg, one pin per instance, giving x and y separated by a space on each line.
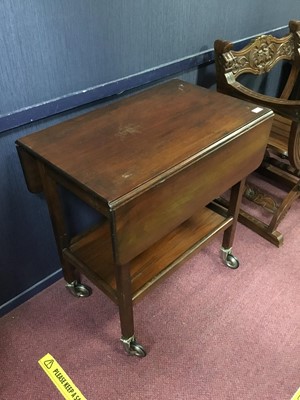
55 208
233 211
131 346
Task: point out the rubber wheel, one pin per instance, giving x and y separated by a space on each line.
232 262
79 290
137 350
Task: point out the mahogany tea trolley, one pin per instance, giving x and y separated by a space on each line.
151 164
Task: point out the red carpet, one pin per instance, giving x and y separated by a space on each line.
210 332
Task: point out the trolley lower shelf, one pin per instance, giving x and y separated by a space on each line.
92 253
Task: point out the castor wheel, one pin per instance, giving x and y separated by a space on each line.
132 347
232 262
229 259
79 289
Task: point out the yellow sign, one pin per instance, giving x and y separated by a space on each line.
60 379
296 395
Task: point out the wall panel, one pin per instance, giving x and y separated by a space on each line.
51 49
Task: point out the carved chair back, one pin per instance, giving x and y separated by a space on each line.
282 159
257 58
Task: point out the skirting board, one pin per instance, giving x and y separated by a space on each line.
30 292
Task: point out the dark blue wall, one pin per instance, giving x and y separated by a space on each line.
59 54
52 51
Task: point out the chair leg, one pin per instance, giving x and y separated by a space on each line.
256 225
261 228
276 170
257 196
284 207
267 231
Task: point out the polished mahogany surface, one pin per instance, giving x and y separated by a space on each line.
134 142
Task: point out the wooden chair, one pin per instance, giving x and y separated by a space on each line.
282 159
